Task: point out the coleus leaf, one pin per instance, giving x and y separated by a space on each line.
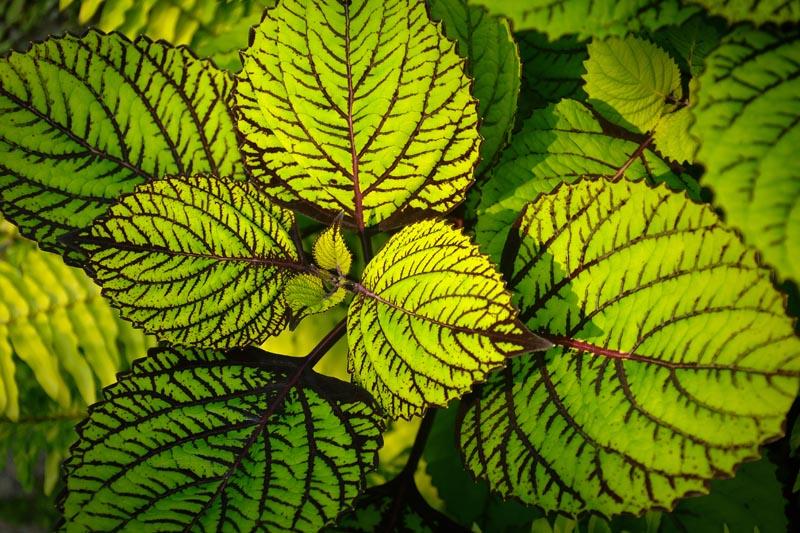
672 138
306 294
757 11
430 318
552 70
691 42
675 357
395 506
631 82
359 107
331 252
493 62
559 144
195 440
196 261
747 122
590 18
86 119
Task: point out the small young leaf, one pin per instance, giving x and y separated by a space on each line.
330 251
631 82
197 440
551 71
590 18
672 138
359 107
86 119
675 357
394 507
561 144
757 11
431 319
196 261
493 62
306 294
747 120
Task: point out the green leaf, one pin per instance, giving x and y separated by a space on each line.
551 71
53 320
306 294
493 62
23 21
672 138
631 82
331 252
691 42
360 107
86 119
196 261
431 318
196 440
396 506
675 359
747 121
757 11
589 18
560 144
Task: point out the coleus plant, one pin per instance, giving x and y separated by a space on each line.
621 343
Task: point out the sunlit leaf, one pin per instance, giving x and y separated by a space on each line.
331 252
306 294
195 440
674 361
361 108
86 119
746 118
430 318
196 261
758 11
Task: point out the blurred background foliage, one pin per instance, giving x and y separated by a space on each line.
60 343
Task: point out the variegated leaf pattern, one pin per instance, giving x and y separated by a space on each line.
430 318
359 107
756 11
194 440
674 362
86 119
196 261
558 144
747 118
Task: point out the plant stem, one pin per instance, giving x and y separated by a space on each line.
634 156
419 444
366 245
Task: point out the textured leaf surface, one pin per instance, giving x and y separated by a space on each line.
331 252
190 440
306 294
431 318
196 261
672 138
560 144
360 107
757 11
631 82
493 62
690 43
86 119
53 320
747 121
551 71
394 507
589 18
675 359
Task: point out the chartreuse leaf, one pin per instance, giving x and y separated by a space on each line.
331 252
494 64
551 71
590 18
86 119
675 357
395 506
194 440
53 320
196 261
672 138
757 11
430 318
747 121
358 107
306 294
632 82
561 144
